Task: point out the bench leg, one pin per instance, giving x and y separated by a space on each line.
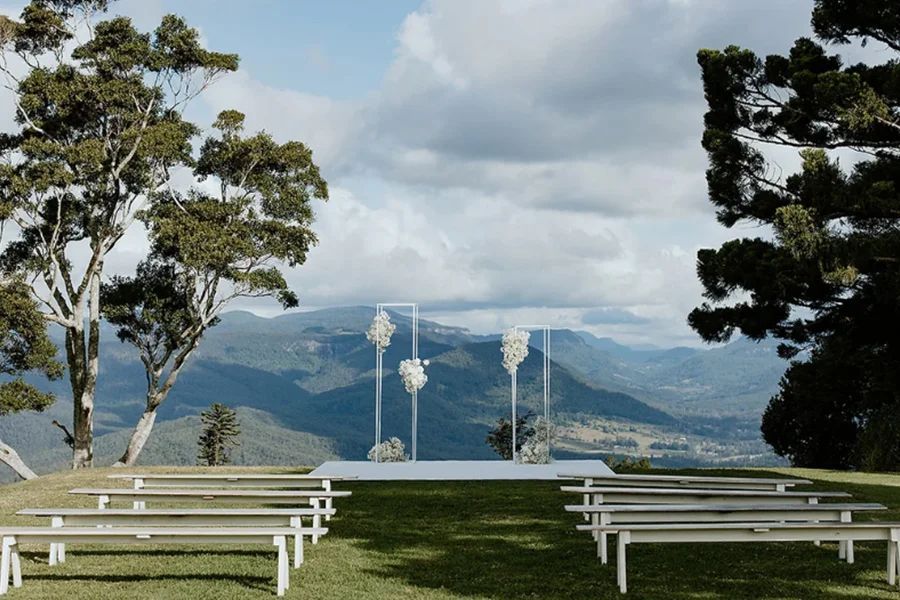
326 485
4 564
621 544
61 552
892 563
298 543
281 545
587 497
317 519
16 565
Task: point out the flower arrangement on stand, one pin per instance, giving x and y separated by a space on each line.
514 346
391 450
412 372
536 451
380 331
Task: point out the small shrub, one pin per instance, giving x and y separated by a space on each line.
628 463
500 437
219 435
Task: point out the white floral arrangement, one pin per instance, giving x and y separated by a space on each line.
412 371
391 450
514 346
380 331
535 450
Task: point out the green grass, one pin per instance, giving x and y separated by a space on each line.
440 540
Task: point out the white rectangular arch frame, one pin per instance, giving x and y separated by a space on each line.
380 308
545 331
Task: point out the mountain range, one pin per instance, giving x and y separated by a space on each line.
303 384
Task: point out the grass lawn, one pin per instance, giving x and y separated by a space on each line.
438 540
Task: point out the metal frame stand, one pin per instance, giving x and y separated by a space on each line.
379 369
545 330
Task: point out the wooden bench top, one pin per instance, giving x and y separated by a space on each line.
861 525
151 532
580 489
210 493
675 508
234 476
685 478
175 512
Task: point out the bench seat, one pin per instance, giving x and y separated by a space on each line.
12 537
615 514
197 517
699 481
750 532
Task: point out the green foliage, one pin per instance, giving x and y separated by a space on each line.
830 278
500 437
219 436
628 463
24 347
100 126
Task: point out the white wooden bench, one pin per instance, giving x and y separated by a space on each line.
12 537
178 517
648 495
232 481
750 532
140 497
620 514
697 481
688 481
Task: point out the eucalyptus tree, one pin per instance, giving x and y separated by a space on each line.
99 114
24 348
828 280
209 249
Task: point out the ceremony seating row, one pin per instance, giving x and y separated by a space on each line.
668 509
180 525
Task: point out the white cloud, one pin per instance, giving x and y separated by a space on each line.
521 161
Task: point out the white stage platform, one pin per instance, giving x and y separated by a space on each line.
458 470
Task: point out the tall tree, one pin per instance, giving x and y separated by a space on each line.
99 107
827 279
24 347
210 249
218 437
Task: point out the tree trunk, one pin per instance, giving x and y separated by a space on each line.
139 436
84 364
155 397
14 462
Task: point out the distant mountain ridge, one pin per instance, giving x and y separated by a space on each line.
311 373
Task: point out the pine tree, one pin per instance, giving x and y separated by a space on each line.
219 435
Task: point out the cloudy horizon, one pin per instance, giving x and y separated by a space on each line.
496 162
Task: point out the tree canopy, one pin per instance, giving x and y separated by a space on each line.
826 280
25 348
99 110
210 249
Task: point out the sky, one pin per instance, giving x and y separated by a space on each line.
497 161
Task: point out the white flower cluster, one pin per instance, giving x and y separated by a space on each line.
380 331
412 371
534 451
391 450
514 346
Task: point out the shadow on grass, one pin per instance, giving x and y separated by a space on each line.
513 540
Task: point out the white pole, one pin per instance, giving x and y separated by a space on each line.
415 395
547 387
514 454
379 360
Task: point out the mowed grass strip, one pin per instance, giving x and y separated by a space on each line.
452 540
